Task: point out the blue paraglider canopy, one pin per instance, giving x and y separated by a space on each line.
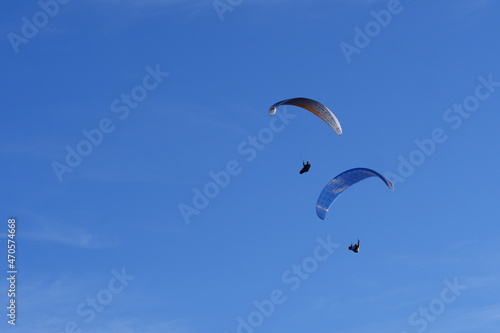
340 183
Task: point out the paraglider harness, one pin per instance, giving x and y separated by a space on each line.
306 167
355 247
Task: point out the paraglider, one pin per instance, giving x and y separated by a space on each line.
306 167
354 248
313 106
340 183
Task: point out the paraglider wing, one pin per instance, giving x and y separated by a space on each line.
340 183
313 106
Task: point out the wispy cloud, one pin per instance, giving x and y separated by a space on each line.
48 305
468 7
48 230
464 319
73 237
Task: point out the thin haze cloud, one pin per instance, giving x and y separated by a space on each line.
50 231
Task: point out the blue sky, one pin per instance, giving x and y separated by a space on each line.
159 97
